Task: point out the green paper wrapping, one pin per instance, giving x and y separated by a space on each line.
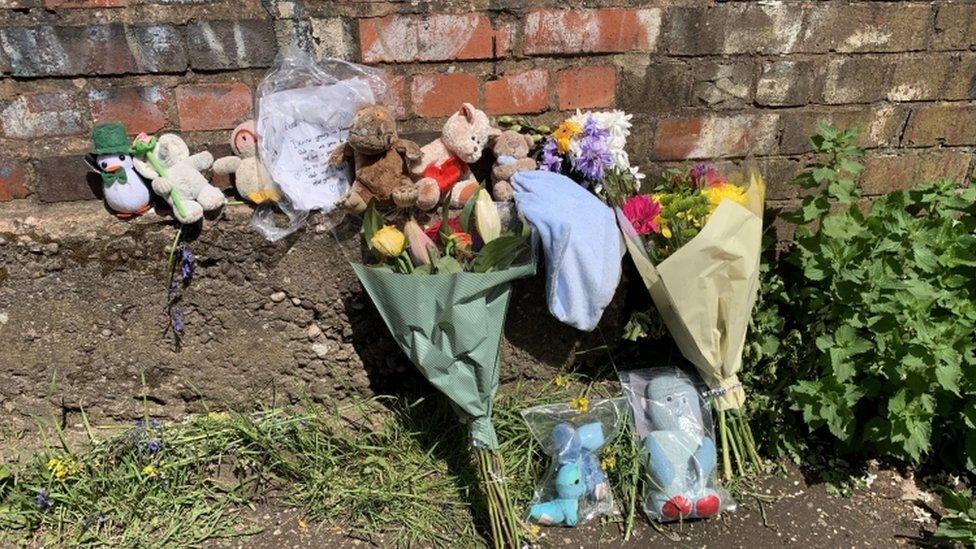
450 325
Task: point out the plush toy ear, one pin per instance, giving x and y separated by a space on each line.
467 111
92 162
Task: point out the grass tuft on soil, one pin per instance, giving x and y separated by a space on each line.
382 468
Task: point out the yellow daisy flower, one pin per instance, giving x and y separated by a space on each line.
150 471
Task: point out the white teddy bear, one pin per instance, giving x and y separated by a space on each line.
183 175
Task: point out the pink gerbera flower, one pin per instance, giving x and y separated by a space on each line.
644 213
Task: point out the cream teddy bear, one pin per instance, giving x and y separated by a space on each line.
443 165
183 175
251 179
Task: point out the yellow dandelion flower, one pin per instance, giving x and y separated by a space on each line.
534 530
608 463
150 471
560 381
581 403
725 191
302 525
62 468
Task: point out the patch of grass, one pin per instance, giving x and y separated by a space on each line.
382 469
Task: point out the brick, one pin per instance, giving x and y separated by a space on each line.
521 92
739 27
140 109
332 39
435 95
397 84
921 78
955 27
43 114
65 179
857 80
962 84
866 27
715 136
593 31
434 37
213 106
214 45
723 84
886 173
98 49
662 87
879 127
83 4
13 179
589 87
785 83
941 125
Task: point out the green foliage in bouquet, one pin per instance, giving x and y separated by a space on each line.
888 299
958 524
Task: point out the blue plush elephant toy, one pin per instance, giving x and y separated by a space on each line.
680 452
578 474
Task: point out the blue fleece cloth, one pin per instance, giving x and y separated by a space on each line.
581 241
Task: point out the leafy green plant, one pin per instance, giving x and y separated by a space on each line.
958 524
887 294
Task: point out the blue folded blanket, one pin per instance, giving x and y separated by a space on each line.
581 241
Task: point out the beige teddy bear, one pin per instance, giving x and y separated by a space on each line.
183 175
251 179
443 165
511 150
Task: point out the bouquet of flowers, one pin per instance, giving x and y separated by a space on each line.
589 147
443 291
696 241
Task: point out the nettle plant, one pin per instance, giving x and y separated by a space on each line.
889 297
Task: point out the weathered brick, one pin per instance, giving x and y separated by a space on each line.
597 30
738 27
64 179
230 44
787 82
43 114
520 92
661 87
98 49
81 4
941 125
878 127
13 179
886 173
857 80
715 136
865 27
435 95
723 84
955 26
397 85
140 109
434 37
213 106
332 39
921 78
588 87
962 83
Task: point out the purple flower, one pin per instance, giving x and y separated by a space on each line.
593 158
590 129
153 446
551 161
43 502
186 263
155 423
177 322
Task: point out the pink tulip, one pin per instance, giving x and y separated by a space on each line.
417 243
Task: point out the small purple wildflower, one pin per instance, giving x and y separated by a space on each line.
187 260
177 322
551 161
43 502
153 446
155 423
140 424
101 518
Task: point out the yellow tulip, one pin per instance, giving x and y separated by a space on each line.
486 217
389 241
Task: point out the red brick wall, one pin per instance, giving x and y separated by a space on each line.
719 80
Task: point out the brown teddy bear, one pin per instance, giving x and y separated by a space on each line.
511 155
381 160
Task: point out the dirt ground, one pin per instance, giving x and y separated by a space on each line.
890 511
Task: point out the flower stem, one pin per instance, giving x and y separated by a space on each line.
726 458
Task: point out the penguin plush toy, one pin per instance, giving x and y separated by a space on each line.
126 194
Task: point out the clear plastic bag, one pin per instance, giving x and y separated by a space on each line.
304 110
673 425
574 489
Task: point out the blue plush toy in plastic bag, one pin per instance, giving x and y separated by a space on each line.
574 490
673 424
